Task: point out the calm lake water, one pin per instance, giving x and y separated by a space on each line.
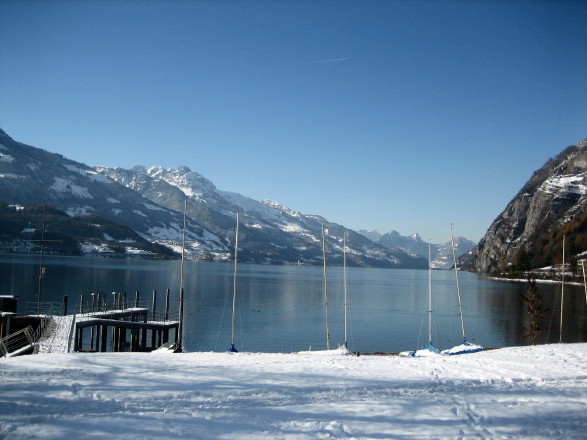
281 308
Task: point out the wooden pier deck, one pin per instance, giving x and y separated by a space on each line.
122 330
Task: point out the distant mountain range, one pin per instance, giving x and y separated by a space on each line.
140 211
442 256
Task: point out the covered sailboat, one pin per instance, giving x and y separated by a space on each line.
232 348
465 346
428 349
344 348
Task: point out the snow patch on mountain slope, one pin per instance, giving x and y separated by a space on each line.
89 248
12 176
154 207
77 211
281 207
6 158
567 183
91 174
292 227
192 184
68 187
165 233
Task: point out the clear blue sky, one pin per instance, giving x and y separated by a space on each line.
405 115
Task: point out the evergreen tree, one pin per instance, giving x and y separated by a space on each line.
533 302
522 260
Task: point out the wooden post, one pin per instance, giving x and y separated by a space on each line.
64 305
167 305
154 307
104 338
123 339
143 341
97 338
92 327
80 342
81 304
137 299
133 337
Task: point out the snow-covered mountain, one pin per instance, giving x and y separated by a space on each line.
442 257
32 176
271 232
150 201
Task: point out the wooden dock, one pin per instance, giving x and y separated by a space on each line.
122 330
98 326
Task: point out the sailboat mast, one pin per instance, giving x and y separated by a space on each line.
345 290
234 282
180 336
562 293
452 240
325 287
41 264
429 295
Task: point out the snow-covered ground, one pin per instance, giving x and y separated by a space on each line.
519 392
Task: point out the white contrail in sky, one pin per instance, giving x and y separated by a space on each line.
334 60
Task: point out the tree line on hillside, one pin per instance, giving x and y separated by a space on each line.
24 229
547 248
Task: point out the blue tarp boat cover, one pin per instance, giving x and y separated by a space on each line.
425 351
465 347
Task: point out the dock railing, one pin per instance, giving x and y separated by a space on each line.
123 309
18 341
45 308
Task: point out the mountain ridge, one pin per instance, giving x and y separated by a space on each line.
150 201
284 235
442 256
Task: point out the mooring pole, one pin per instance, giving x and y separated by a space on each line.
153 308
180 333
167 304
92 327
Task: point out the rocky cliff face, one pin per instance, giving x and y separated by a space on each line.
554 195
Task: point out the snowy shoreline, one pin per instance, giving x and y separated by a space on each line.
537 280
516 392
